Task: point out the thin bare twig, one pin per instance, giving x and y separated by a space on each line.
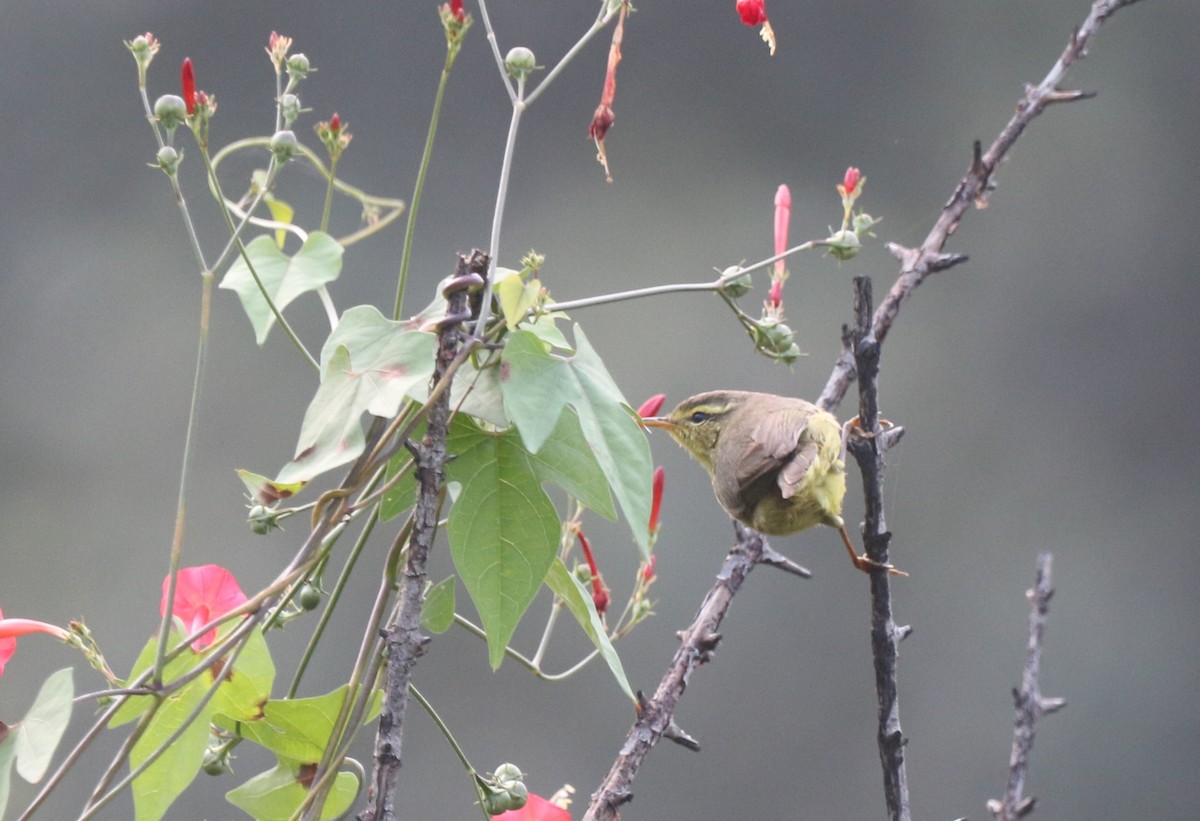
1029 702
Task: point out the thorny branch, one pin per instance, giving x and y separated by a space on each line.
655 716
869 442
403 639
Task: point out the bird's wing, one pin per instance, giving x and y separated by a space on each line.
778 447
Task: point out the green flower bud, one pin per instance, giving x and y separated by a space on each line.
776 340
843 245
297 66
520 61
284 145
170 111
289 106
168 160
738 285
863 223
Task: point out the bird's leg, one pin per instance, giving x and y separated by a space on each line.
864 562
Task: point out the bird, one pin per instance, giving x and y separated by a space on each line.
776 462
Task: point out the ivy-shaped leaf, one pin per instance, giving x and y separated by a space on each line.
537 384
564 584
366 367
317 263
503 529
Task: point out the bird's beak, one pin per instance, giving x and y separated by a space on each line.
657 422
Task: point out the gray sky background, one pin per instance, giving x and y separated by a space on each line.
1047 386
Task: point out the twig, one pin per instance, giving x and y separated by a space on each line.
403 637
1029 702
655 716
918 263
869 451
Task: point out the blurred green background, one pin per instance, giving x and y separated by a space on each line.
1048 385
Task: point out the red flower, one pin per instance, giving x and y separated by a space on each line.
600 596
201 595
188 81
11 628
335 123
456 8
660 477
535 809
753 12
648 569
652 406
850 181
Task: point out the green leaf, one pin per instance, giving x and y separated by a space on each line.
8 753
318 262
566 460
41 729
503 529
134 706
564 584
617 441
266 492
245 689
171 773
280 212
535 387
276 794
516 297
437 611
297 729
364 372
537 384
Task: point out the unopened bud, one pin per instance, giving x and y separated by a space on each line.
168 160
520 61
738 284
284 145
170 111
289 107
297 66
843 245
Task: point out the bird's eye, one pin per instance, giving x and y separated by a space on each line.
698 417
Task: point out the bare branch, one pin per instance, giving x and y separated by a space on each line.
973 189
697 644
868 445
403 637
1029 701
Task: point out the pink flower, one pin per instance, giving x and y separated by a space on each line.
11 628
652 406
649 568
188 82
202 594
783 215
753 12
775 297
535 809
660 477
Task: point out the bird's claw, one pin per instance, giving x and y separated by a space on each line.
868 565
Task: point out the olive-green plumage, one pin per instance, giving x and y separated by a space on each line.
775 461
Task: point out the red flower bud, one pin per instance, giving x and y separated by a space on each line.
660 477
850 181
648 569
753 12
335 123
652 406
776 295
456 8
188 81
600 596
